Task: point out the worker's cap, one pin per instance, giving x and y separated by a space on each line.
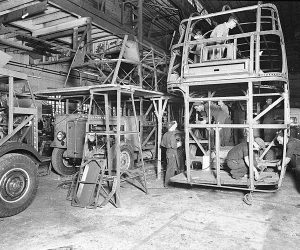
260 142
233 18
198 104
279 133
171 124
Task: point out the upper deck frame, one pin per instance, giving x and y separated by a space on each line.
250 39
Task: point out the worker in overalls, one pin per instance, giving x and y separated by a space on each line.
292 152
172 141
238 159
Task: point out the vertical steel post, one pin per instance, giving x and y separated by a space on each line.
141 113
154 70
159 137
209 94
116 71
250 134
285 135
118 142
75 38
187 133
257 45
139 141
10 104
218 162
107 117
140 20
252 59
89 47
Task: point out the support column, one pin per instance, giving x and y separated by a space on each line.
187 133
75 38
89 47
286 121
107 118
159 114
140 21
116 70
257 45
218 162
250 134
10 105
118 142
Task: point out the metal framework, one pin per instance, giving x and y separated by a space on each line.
253 68
22 120
128 62
117 115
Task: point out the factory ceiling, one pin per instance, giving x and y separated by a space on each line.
53 20
40 27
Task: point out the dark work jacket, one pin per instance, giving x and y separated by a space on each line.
169 141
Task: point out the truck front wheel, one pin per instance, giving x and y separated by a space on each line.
60 164
18 183
126 157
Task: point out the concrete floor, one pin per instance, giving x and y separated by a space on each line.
173 218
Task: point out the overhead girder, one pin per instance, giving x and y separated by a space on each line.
14 4
100 19
24 12
185 7
62 26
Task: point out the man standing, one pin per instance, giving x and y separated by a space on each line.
238 117
238 159
269 101
269 118
200 118
225 133
222 30
292 151
220 115
171 140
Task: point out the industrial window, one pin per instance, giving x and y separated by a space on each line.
57 106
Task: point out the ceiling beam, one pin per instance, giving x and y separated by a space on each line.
50 17
61 27
23 12
185 7
61 34
12 4
14 44
58 21
100 19
161 33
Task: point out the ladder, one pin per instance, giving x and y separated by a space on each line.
97 177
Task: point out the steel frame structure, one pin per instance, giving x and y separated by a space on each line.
145 65
28 115
100 98
255 68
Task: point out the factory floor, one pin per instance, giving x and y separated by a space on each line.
166 218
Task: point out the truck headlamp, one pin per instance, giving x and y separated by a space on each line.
60 135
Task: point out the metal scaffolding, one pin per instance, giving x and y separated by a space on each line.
119 124
253 68
22 120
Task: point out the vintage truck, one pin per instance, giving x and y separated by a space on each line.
69 137
68 144
19 147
